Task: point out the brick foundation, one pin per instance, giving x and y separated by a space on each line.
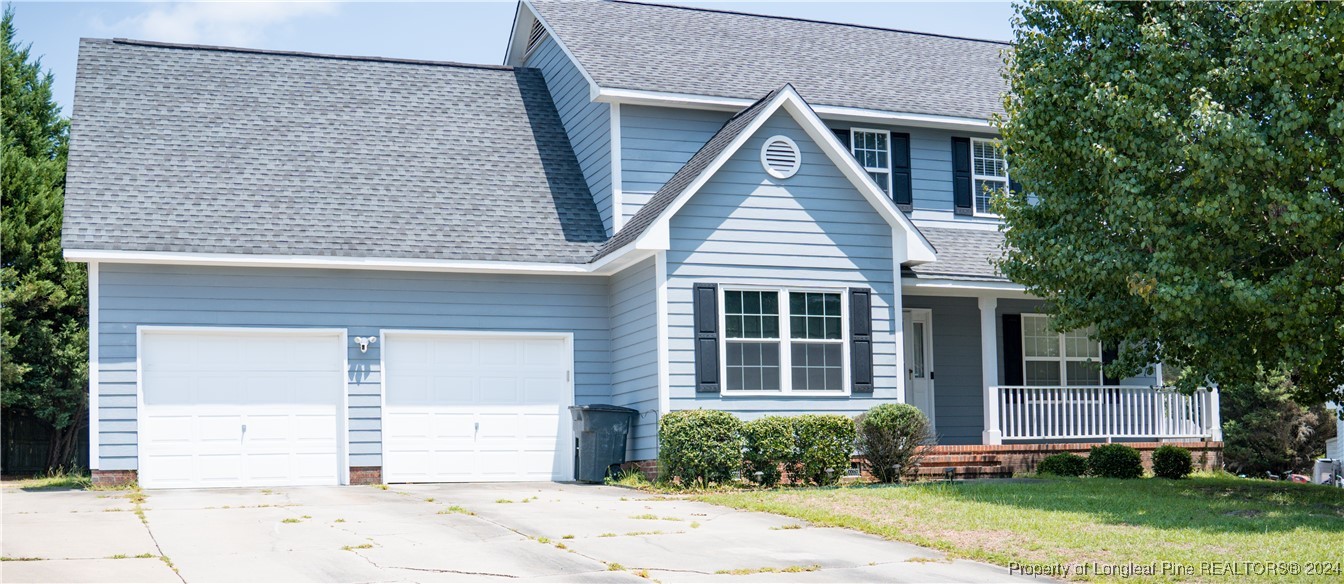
366 475
113 478
648 467
1005 460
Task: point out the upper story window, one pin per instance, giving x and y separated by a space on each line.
989 173
872 148
781 340
1051 358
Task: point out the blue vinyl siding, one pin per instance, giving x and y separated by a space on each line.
655 143
634 352
588 123
958 398
362 302
813 229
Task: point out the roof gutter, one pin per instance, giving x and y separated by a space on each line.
734 104
606 266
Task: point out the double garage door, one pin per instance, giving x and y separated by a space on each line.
237 407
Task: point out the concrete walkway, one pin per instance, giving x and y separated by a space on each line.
438 533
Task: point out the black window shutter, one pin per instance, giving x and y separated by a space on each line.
1012 349
901 191
861 339
961 176
706 309
1108 354
843 136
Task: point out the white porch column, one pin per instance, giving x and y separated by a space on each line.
989 368
1215 416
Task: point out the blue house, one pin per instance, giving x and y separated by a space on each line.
317 269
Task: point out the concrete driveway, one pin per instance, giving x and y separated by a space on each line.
437 533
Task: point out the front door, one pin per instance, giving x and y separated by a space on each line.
919 361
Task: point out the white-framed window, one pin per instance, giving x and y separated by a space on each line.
1052 358
989 173
784 340
872 148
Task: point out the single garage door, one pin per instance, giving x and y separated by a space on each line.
237 407
473 407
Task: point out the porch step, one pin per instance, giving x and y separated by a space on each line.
963 472
960 460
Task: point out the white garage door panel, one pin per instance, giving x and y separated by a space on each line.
240 408
476 408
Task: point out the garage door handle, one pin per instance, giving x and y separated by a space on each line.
244 428
477 432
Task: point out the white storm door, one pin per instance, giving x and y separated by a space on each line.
236 407
919 361
464 407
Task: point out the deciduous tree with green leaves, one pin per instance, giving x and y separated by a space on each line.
1184 177
44 369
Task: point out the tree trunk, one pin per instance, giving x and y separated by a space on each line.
61 455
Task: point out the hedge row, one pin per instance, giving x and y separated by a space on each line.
1119 462
702 447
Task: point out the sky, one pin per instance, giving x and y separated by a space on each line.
469 32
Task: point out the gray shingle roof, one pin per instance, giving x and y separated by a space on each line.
208 150
686 175
650 47
962 254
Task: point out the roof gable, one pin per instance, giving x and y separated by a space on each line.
703 52
648 229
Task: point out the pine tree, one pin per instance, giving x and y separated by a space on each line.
43 299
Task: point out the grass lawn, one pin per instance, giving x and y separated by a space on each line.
1069 522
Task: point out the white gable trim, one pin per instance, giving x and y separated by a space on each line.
832 112
517 47
610 264
912 248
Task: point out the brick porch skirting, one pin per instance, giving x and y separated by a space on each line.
1023 458
366 475
113 478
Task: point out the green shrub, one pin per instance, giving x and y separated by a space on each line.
1172 462
768 443
892 439
824 445
1115 461
1064 464
699 447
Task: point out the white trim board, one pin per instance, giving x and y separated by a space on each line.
838 113
94 414
610 264
908 243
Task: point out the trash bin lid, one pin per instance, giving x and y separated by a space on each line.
602 408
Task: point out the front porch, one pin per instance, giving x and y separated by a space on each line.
976 363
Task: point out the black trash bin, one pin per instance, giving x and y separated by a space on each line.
601 431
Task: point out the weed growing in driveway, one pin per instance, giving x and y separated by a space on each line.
770 570
544 539
561 546
789 526
20 559
608 534
290 520
695 524
568 536
642 573
456 509
648 516
429 499
921 560
362 546
503 500
144 556
113 510
379 486
267 492
169 562
615 567
638 533
339 520
117 557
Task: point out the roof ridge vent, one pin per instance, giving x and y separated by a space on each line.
780 157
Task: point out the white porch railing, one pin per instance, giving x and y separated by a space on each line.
1099 412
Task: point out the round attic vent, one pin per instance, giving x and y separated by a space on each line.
780 157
